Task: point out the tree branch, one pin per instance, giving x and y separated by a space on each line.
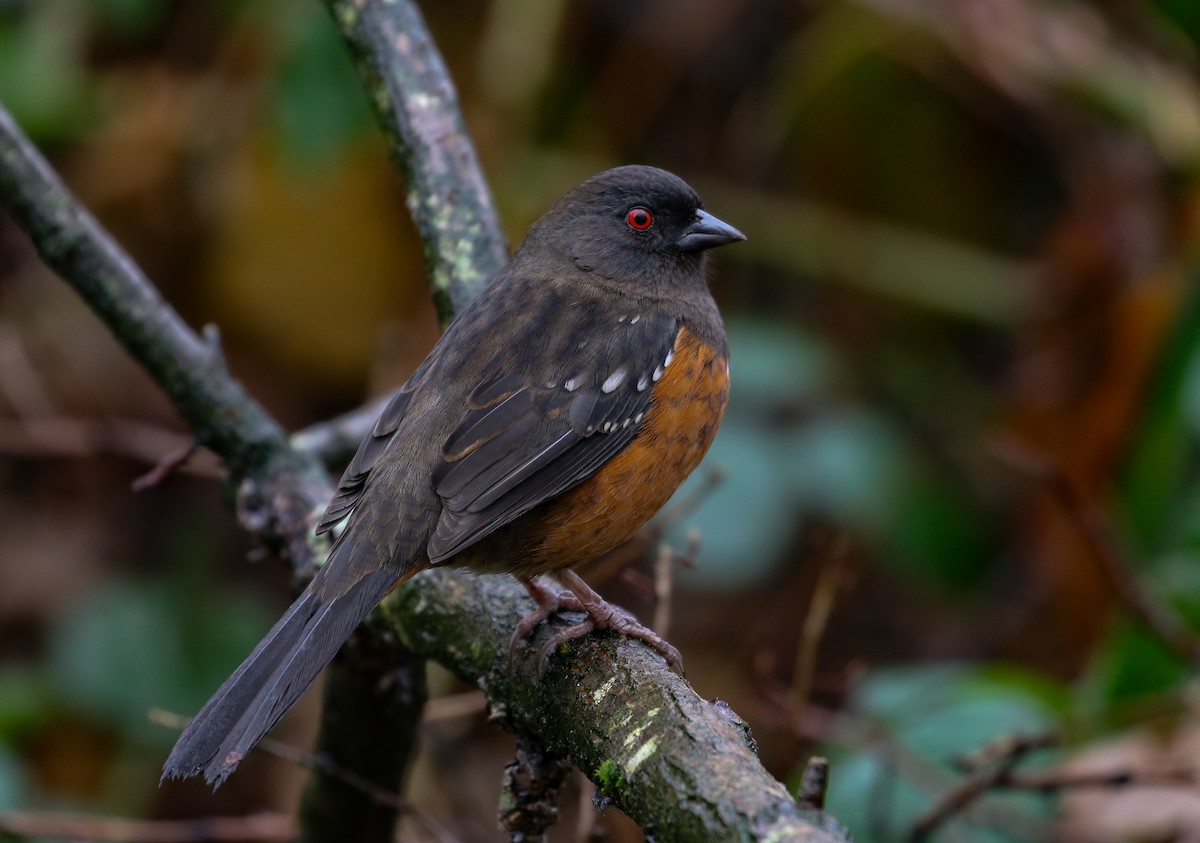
374 693
279 486
682 767
417 108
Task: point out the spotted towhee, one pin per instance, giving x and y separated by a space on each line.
557 414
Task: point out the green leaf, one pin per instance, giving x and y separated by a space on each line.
1130 667
938 534
26 701
319 107
916 721
42 79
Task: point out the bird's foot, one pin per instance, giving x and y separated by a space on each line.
600 614
548 602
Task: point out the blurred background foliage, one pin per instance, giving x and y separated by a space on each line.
971 270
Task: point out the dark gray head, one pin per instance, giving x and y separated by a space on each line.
634 225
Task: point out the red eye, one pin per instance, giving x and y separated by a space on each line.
639 219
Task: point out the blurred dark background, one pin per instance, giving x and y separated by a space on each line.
971 270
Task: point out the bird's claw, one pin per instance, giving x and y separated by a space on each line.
599 615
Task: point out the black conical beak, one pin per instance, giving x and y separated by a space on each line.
706 232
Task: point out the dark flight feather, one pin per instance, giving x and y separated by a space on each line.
272 678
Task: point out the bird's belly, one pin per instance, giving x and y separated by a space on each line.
607 508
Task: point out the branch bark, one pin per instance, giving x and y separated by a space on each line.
682 767
278 486
417 108
374 694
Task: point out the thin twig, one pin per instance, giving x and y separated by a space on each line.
815 622
278 486
312 761
454 707
1005 746
651 535
60 436
1054 781
993 767
265 826
664 578
962 796
168 465
814 783
72 243
334 441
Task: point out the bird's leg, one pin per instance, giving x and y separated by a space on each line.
600 615
548 602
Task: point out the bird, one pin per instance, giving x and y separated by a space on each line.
557 413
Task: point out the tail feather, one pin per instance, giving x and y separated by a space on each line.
272 678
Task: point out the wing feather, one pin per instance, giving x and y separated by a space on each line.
538 441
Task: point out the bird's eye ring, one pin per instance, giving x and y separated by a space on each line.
639 219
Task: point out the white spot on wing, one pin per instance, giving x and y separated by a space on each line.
643 382
658 373
613 381
571 384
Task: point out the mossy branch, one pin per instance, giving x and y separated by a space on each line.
417 108
682 767
278 485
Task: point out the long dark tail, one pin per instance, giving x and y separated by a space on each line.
274 676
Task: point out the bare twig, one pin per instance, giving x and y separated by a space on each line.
993 767
279 486
651 535
454 707
683 508
814 783
1054 781
960 797
29 824
1095 528
334 441
989 768
664 578
313 761
59 436
530 792
815 621
169 464
19 379
1004 747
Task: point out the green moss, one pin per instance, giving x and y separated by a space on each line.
609 776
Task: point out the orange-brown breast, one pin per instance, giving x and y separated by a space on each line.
611 505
